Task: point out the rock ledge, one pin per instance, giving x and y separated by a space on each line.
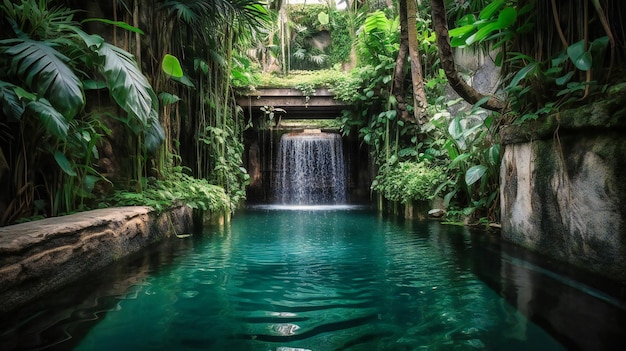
40 256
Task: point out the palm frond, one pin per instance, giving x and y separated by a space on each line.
37 20
11 105
318 59
45 71
300 54
183 10
128 86
52 120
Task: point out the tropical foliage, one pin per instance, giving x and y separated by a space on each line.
572 63
312 26
176 187
409 158
575 64
407 182
128 97
80 117
48 68
213 124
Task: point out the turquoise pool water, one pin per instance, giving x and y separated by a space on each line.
333 279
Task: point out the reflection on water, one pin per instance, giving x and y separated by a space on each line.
325 280
582 317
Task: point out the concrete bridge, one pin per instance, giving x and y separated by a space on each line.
320 105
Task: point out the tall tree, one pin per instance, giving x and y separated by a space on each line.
398 89
417 77
407 11
440 25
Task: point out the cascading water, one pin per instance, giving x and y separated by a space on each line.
310 169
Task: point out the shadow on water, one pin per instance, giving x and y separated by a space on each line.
60 319
582 312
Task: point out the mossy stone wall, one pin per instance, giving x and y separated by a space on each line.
563 187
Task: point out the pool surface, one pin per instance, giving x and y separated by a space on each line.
334 278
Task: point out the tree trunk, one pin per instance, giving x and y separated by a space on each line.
419 94
137 35
398 73
283 28
440 25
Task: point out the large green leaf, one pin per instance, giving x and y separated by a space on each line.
491 9
467 20
44 69
376 21
90 182
597 49
579 56
459 31
128 86
564 79
507 17
92 41
119 24
522 73
474 174
492 154
323 18
168 99
53 120
171 66
64 163
154 134
455 128
11 105
184 80
484 32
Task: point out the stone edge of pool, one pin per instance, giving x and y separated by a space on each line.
41 256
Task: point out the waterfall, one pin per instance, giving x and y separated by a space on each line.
310 169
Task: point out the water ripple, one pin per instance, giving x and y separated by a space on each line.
290 281
291 332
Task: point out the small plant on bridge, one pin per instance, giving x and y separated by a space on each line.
271 116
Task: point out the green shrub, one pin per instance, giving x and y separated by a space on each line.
409 181
176 187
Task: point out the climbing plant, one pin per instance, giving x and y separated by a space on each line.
572 62
82 96
206 125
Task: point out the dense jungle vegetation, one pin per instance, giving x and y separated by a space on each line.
127 102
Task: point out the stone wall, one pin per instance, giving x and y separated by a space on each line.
40 256
563 187
479 71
